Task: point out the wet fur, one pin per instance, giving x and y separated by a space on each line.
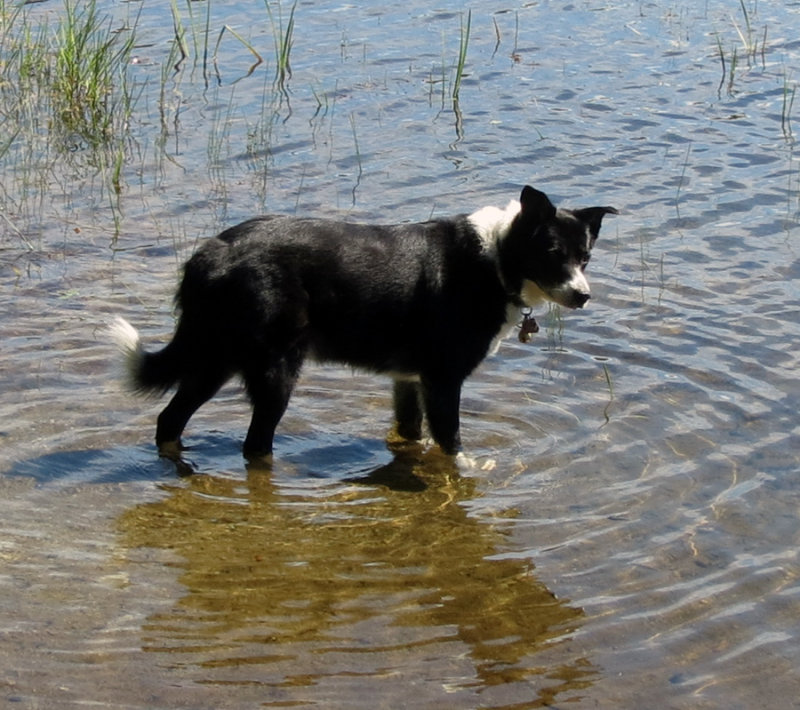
424 303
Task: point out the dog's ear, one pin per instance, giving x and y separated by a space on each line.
593 218
536 205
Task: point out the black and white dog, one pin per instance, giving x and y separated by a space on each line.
423 303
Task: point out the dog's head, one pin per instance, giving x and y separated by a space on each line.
544 254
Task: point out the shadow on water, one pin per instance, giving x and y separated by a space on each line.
385 575
299 586
99 466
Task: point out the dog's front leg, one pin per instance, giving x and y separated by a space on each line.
442 399
408 409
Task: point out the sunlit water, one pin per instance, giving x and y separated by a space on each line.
628 526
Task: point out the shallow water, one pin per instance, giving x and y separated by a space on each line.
628 528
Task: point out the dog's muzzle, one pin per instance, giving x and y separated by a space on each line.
569 298
573 294
580 300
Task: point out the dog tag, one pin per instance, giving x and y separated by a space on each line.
528 328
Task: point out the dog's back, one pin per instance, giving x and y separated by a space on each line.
385 298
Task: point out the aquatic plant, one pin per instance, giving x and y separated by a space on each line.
247 45
789 91
23 66
462 55
748 36
65 94
455 70
554 328
750 45
610 385
682 181
179 33
284 39
358 157
200 51
76 73
89 82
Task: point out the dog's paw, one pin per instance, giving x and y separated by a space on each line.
468 462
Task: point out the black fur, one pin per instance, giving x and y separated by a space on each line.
421 302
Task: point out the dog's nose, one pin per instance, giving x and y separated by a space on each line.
581 299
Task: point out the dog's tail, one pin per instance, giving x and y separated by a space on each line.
144 373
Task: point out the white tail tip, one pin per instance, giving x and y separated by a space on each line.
127 340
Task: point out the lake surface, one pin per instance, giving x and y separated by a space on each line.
628 528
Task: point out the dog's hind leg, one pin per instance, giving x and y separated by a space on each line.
408 409
442 398
269 388
194 390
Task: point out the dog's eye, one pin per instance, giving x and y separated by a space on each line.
585 262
